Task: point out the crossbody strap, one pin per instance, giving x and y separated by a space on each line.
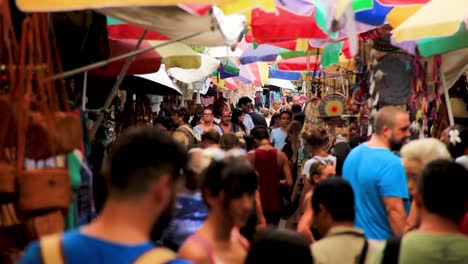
360 259
157 255
391 253
51 249
51 252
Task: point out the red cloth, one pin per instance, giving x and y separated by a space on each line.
128 31
196 9
146 62
266 164
299 64
284 26
464 225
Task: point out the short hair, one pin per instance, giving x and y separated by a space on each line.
198 166
296 108
285 112
233 176
265 112
181 138
243 101
136 160
229 141
274 118
183 112
300 117
211 135
425 150
164 121
227 110
207 108
386 117
442 187
260 133
336 195
274 245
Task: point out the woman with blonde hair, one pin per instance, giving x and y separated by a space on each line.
319 170
415 155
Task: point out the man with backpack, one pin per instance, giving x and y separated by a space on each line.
181 117
441 199
333 205
142 171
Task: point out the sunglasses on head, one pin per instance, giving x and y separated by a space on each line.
323 161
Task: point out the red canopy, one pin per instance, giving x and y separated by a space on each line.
270 27
147 62
128 31
299 64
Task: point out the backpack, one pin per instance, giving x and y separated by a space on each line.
51 252
392 251
194 140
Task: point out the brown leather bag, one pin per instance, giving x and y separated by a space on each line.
44 189
47 188
9 48
50 131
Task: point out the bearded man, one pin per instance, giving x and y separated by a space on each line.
378 177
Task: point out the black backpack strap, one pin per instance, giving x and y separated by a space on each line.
392 251
362 257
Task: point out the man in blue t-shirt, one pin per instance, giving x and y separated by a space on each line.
378 177
142 171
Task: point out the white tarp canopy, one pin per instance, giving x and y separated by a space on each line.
285 84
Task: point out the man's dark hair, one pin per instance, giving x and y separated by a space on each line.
139 157
260 133
300 117
164 121
274 245
211 135
183 112
285 112
229 141
336 195
234 176
443 188
296 108
243 101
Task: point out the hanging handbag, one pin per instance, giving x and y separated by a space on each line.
61 130
9 49
47 188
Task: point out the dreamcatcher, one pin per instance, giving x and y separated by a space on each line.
332 105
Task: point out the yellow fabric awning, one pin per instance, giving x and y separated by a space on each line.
400 13
70 5
438 18
177 55
245 6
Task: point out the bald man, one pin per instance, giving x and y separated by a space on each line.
378 177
